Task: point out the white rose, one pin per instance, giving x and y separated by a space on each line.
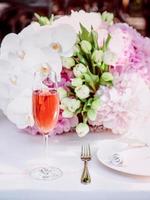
82 129
73 105
82 91
77 82
68 62
62 93
79 70
109 58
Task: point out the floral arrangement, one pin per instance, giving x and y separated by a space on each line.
103 71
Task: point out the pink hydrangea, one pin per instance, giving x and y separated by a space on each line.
123 104
136 54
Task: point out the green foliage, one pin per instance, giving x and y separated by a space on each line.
44 20
90 54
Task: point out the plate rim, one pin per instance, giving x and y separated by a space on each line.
114 168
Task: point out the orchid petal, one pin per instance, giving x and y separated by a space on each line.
43 37
19 111
29 30
65 35
54 61
10 43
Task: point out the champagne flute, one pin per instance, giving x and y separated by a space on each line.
45 104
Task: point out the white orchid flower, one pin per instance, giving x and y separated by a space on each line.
56 39
86 19
19 111
18 62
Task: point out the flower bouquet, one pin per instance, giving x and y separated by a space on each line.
103 70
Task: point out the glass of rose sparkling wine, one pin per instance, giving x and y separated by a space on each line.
45 106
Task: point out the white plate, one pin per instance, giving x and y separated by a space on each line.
136 161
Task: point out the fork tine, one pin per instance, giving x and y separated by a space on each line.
85 151
82 151
89 150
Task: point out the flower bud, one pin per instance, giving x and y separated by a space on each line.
62 93
107 76
91 114
82 129
73 105
108 17
97 56
67 114
77 82
95 104
79 70
68 62
82 91
86 46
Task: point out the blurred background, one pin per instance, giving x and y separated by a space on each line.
16 14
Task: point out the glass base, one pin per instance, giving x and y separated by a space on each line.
46 173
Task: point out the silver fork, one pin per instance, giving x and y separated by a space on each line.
85 156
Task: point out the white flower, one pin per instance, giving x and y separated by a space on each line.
20 51
57 39
86 19
67 114
19 59
116 43
76 82
82 129
62 93
109 58
102 36
82 91
19 110
79 70
70 104
73 105
68 62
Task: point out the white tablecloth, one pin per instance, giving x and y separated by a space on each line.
17 149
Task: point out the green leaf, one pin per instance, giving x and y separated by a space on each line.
94 77
104 67
105 46
85 34
89 102
95 39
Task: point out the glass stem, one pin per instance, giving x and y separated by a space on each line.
45 137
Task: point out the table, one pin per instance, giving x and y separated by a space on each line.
17 149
